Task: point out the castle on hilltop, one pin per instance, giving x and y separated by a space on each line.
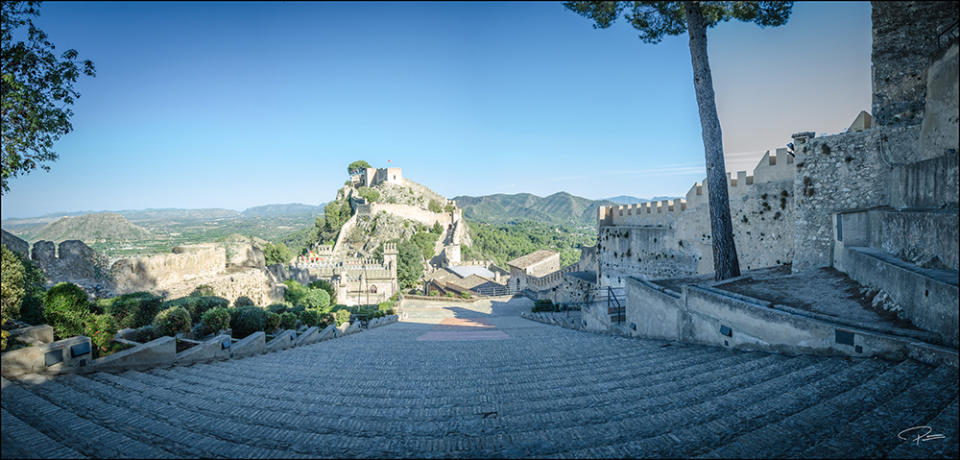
369 177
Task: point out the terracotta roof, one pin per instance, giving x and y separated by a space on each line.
532 258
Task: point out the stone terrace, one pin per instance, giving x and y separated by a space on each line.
479 381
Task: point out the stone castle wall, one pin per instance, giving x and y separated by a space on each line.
406 211
673 238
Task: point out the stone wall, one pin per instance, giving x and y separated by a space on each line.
15 244
184 264
650 252
904 44
406 211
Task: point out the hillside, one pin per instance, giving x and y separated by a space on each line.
89 228
288 209
559 208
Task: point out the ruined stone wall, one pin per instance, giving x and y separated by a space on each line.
160 272
649 252
414 213
904 44
15 244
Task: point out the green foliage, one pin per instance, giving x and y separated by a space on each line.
243 301
12 289
356 166
502 243
465 295
368 194
317 298
450 294
310 317
132 310
543 305
449 207
435 206
203 290
409 264
295 293
65 309
247 320
171 321
326 286
288 320
101 329
433 293
216 319
654 20
271 321
31 308
437 229
279 308
342 316
146 333
198 305
277 253
37 89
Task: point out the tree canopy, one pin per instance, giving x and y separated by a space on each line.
656 19
37 89
357 165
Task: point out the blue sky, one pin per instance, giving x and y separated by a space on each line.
235 105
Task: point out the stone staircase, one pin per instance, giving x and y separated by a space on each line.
544 392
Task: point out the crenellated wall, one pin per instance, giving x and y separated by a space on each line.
673 237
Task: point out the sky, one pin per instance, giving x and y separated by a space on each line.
233 105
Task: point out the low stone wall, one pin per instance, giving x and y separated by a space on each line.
155 353
214 349
67 355
250 345
282 341
653 311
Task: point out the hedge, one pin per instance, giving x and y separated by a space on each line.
132 310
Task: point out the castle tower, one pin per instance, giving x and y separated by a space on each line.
390 260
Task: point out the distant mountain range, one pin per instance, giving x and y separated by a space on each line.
559 208
624 199
179 214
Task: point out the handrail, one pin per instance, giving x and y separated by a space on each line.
951 29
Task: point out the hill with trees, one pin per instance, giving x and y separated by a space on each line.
560 208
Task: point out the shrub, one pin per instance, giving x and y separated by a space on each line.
368 194
543 305
465 295
279 308
247 320
310 317
288 321
327 319
203 290
12 289
243 301
65 309
271 321
101 329
295 293
450 294
197 305
132 310
433 294
342 316
171 321
216 319
326 286
297 309
435 206
317 298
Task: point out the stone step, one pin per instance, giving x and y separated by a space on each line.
20 440
944 423
875 431
805 427
65 427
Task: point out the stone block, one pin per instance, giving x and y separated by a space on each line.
53 358
284 340
327 333
35 335
341 329
127 334
250 345
354 327
155 353
214 349
307 337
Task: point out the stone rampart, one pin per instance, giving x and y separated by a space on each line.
15 244
406 211
183 265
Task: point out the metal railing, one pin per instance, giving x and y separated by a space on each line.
495 291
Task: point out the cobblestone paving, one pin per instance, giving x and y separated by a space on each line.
539 391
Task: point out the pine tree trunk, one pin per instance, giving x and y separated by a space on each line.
725 263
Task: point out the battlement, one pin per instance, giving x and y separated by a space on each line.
372 176
771 168
390 248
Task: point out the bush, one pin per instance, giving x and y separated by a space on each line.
197 305
145 334
310 317
171 321
543 305
368 194
101 329
132 310
247 320
65 309
216 319
326 286
327 319
288 321
465 295
12 289
342 316
317 298
279 308
277 254
433 294
271 321
295 293
435 206
203 290
243 301
297 309
450 294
